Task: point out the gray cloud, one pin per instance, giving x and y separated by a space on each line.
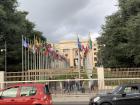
60 19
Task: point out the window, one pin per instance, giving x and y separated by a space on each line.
95 58
95 53
28 91
10 93
96 64
65 50
131 89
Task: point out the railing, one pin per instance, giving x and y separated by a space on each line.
122 72
78 86
46 74
67 82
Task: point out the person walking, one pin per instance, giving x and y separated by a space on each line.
91 84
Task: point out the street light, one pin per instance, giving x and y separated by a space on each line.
5 50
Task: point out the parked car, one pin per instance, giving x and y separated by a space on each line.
26 94
128 94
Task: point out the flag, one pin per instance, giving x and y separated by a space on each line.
83 47
25 43
90 42
46 52
42 49
34 49
79 43
86 50
36 43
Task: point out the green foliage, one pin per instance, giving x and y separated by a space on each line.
120 40
13 24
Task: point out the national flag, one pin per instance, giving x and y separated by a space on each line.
25 43
83 47
79 43
42 47
86 50
46 53
34 49
36 42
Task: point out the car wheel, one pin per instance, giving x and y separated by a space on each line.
106 104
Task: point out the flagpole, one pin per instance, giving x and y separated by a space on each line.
79 58
35 57
43 59
31 60
31 56
28 58
39 59
28 55
22 58
25 60
79 62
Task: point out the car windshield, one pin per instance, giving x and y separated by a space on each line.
116 90
47 89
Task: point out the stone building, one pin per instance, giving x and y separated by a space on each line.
69 48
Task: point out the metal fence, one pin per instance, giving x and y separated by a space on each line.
78 86
122 72
46 74
70 73
66 81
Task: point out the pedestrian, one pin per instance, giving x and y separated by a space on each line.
82 85
67 86
72 82
50 84
77 83
91 84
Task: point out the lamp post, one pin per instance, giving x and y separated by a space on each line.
5 50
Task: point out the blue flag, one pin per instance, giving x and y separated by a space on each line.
79 43
25 43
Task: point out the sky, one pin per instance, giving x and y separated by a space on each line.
63 19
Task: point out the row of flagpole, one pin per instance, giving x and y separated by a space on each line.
87 50
37 54
40 55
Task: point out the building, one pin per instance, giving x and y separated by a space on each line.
70 50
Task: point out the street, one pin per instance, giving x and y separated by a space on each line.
70 100
71 103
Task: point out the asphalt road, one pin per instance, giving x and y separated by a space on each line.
71 103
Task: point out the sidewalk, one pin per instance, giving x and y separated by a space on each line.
70 98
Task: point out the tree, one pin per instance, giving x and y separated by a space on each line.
13 24
119 42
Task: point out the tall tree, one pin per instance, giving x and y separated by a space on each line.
119 42
13 24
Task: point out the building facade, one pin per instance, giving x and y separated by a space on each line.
69 49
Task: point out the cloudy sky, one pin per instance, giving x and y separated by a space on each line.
62 19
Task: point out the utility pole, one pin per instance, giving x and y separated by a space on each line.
5 56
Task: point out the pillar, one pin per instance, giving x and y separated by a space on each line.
71 57
100 74
1 79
